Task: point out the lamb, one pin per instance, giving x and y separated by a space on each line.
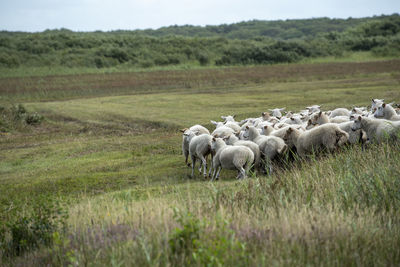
186 137
231 158
270 146
328 136
200 148
339 112
386 112
377 130
234 141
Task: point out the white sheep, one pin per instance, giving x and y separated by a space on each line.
229 118
223 131
357 136
200 148
270 146
229 124
230 157
386 112
339 112
234 141
375 103
377 129
340 119
277 112
186 137
328 136
313 109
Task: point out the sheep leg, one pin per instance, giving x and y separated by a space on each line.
186 158
204 162
219 170
193 164
242 173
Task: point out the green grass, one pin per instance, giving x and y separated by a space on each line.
114 163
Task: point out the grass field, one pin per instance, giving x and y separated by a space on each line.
109 154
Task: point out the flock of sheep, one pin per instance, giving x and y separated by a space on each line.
257 141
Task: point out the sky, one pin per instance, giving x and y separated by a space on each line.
106 15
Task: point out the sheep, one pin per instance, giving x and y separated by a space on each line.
292 120
339 112
357 136
234 141
197 130
377 130
270 146
223 131
386 112
328 136
319 118
359 111
231 158
229 118
277 112
339 119
229 124
313 109
281 134
200 148
375 103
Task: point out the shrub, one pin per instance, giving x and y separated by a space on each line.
23 233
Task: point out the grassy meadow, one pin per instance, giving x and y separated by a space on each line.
101 180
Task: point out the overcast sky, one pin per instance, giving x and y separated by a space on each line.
91 15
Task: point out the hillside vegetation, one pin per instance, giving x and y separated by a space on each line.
99 180
246 43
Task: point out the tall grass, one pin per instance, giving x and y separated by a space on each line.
340 209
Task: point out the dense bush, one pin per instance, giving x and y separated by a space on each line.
16 116
24 232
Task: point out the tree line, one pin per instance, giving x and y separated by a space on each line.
253 42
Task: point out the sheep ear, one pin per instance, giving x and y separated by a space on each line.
263 114
319 114
223 117
214 122
183 130
383 105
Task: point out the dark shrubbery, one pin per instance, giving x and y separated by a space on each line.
23 232
17 116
